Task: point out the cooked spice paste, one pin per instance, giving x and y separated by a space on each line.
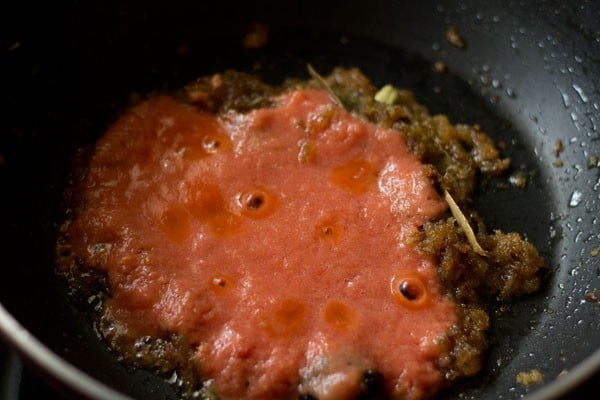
274 250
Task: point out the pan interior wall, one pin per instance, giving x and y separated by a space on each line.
68 69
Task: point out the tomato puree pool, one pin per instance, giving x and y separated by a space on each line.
276 242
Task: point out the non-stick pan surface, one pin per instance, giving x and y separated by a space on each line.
529 75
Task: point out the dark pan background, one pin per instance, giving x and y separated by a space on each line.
530 75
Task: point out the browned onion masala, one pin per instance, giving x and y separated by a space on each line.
268 242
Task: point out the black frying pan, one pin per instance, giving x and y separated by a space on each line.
529 75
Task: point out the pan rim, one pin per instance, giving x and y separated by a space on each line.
561 386
44 359
28 346
553 388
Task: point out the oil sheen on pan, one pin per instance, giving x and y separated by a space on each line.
276 242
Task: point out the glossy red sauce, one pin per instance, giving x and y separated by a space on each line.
276 241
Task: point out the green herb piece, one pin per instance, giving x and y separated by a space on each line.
388 95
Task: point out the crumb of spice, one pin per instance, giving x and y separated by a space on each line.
182 50
518 179
592 298
596 252
454 37
593 162
528 377
557 163
256 37
562 373
14 46
439 67
558 148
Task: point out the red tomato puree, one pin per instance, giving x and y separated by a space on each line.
276 241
